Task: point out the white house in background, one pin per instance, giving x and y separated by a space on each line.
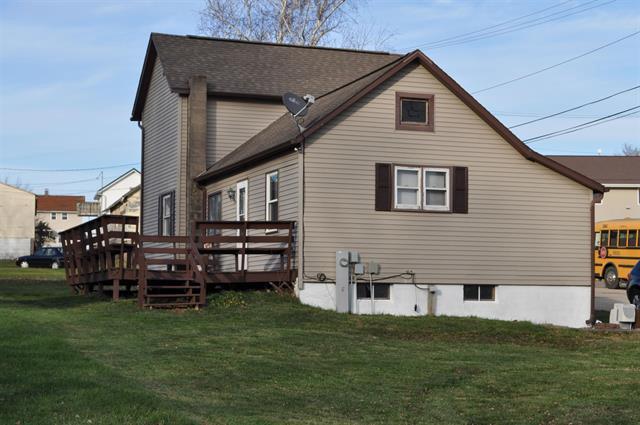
60 212
17 225
113 191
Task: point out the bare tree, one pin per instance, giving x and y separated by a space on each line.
303 22
630 150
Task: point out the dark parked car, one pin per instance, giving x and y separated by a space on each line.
633 287
43 257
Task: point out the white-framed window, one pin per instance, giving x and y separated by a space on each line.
436 189
64 216
407 187
166 214
53 216
271 187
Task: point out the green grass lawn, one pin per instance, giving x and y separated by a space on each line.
262 358
9 270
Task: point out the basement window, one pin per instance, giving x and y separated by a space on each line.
414 111
479 293
381 291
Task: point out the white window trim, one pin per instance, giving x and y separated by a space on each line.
447 190
65 216
54 216
268 201
166 214
418 203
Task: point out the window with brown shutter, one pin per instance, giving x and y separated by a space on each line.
383 187
421 188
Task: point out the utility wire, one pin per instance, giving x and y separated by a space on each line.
520 26
70 169
576 107
587 126
493 26
557 64
581 126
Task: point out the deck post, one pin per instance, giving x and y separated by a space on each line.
116 289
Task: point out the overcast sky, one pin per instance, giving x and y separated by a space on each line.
69 71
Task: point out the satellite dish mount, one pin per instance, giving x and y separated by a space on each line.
298 107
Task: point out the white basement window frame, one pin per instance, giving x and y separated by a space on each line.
272 180
436 189
397 188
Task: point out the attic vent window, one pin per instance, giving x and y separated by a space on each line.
414 111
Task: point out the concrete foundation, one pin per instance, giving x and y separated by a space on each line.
556 305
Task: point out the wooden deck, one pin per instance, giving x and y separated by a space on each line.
174 271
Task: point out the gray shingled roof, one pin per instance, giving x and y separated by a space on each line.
604 169
263 69
283 131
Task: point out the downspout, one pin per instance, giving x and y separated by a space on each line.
301 197
140 220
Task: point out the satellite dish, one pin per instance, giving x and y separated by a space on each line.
296 105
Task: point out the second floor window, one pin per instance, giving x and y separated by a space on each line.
64 216
422 188
53 216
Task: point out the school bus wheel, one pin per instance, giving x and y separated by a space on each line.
611 278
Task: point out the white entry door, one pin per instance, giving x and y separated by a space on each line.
242 208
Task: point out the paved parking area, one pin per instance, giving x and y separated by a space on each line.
605 298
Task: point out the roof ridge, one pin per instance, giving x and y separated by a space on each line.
271 43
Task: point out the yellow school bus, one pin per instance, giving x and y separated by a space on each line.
616 250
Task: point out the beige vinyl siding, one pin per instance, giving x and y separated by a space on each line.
160 119
232 122
619 203
526 223
287 200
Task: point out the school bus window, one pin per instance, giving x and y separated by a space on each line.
622 238
633 238
605 238
613 238
597 240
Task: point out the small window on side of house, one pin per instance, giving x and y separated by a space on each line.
64 216
214 211
479 292
381 291
414 111
53 216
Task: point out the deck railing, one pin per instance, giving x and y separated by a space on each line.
109 251
100 251
261 251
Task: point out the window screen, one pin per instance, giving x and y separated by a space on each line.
414 111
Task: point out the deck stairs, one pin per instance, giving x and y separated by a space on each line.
170 273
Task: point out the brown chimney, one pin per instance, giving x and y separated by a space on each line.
196 146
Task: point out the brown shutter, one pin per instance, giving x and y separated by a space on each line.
460 190
384 195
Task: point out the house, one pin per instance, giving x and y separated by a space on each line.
113 191
394 161
128 204
17 226
59 211
619 174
